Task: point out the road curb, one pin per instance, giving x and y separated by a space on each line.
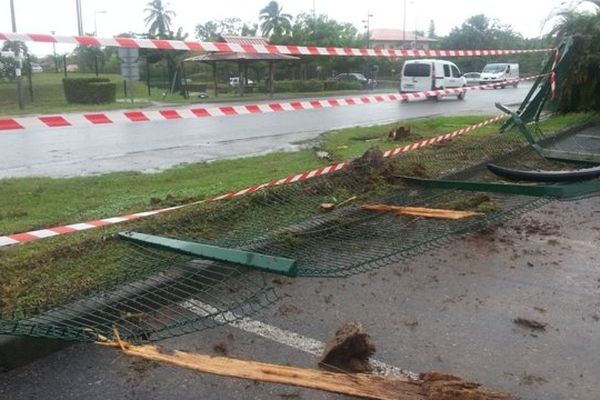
17 351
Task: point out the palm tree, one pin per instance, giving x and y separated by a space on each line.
580 87
274 21
158 19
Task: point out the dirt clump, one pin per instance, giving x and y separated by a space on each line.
371 159
221 349
530 323
442 386
349 349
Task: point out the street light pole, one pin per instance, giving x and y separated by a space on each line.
54 53
404 26
18 57
79 17
368 27
96 22
12 16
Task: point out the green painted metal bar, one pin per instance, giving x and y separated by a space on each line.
278 265
518 123
560 191
572 156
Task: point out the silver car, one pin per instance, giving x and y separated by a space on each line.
473 78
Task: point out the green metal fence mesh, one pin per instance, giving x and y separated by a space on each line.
156 294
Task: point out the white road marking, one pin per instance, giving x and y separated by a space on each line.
283 336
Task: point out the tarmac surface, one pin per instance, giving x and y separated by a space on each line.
451 310
155 146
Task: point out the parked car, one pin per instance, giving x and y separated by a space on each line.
424 75
500 73
356 77
36 68
472 78
235 81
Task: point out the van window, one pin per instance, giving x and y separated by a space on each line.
494 68
417 70
455 72
446 70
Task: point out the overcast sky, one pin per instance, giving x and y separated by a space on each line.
43 16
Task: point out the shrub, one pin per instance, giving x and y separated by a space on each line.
312 85
342 85
89 90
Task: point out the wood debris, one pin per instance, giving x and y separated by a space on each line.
421 211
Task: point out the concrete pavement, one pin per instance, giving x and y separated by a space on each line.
154 146
450 310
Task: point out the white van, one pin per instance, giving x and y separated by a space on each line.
499 73
423 75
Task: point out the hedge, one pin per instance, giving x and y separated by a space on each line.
90 90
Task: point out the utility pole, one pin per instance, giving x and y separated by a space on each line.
368 26
54 52
18 57
404 26
12 16
79 20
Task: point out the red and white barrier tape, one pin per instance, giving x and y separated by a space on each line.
137 116
25 237
553 75
294 50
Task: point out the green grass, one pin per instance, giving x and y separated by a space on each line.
49 97
54 269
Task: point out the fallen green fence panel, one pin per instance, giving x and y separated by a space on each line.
278 265
559 191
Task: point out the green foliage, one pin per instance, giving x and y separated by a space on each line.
274 21
87 57
211 30
480 32
580 87
342 85
158 19
7 67
89 90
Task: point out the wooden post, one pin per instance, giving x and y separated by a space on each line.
241 78
214 68
245 76
271 79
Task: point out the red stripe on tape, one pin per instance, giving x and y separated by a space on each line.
162 44
23 237
136 116
127 42
54 121
98 118
87 40
61 230
9 123
170 114
200 112
253 109
228 110
276 107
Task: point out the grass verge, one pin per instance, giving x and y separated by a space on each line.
49 271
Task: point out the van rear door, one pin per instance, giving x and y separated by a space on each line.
416 77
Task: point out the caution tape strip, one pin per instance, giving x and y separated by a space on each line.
25 237
199 46
138 116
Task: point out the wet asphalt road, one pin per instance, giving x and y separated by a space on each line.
156 146
451 310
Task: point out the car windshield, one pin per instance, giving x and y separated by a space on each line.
494 68
417 70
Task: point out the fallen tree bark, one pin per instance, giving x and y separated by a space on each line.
431 386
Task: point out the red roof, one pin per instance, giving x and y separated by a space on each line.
396 35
